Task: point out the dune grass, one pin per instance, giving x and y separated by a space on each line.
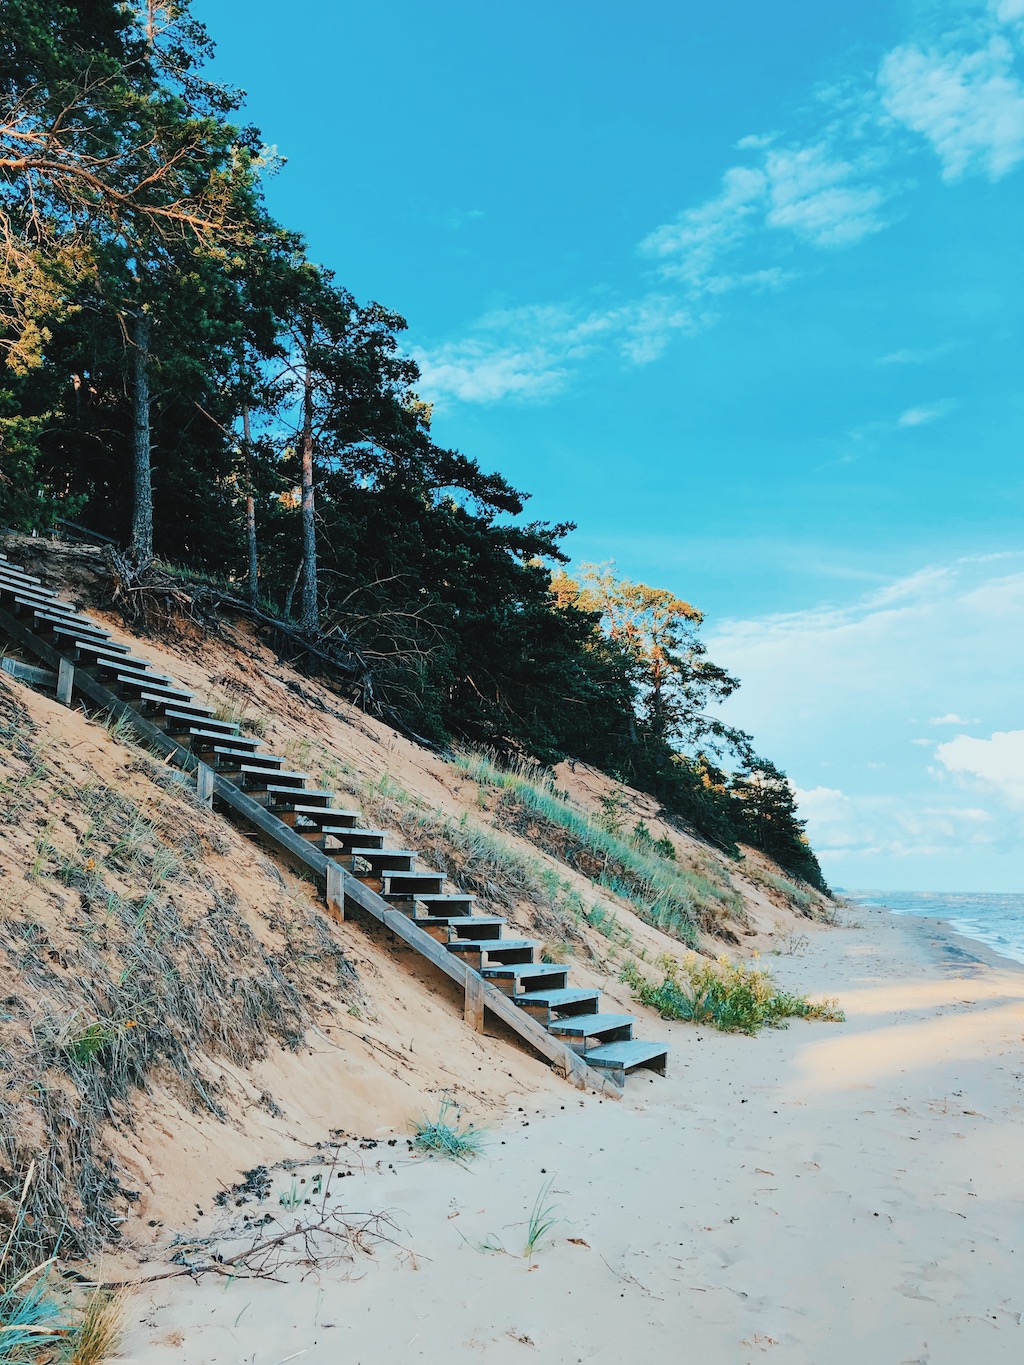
99 1334
128 954
804 899
735 997
448 1134
676 899
38 1323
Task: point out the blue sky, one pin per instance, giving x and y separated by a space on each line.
738 289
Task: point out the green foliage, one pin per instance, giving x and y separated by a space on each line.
448 1134
736 997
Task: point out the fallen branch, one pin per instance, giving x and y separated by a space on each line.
352 1233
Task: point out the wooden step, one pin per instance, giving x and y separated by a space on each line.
498 949
405 886
160 711
301 798
609 1027
205 728
16 571
140 682
548 1005
519 978
26 594
450 928
347 835
384 860
252 773
227 760
619 1059
317 815
29 604
52 621
133 667
451 903
81 643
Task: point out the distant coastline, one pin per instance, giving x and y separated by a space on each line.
986 920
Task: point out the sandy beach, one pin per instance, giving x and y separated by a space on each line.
825 1193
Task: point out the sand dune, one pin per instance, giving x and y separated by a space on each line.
831 1193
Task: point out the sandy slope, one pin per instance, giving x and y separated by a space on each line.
832 1193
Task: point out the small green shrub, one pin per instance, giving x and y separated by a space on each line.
457 1140
735 997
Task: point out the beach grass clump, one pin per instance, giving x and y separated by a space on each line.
448 1134
99 1334
542 1219
31 1317
633 865
735 997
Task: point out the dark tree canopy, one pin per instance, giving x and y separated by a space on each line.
179 376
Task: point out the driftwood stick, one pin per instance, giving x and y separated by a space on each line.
350 1231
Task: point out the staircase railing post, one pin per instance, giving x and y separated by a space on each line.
65 681
335 892
474 1007
204 784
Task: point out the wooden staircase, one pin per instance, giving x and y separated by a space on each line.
301 824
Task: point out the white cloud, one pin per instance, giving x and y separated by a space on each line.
690 249
755 142
968 105
996 763
921 416
848 829
1008 11
836 688
529 353
827 189
821 198
921 356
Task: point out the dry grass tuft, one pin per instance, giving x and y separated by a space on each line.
101 1330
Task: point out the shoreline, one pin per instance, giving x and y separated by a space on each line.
824 1192
854 905
960 946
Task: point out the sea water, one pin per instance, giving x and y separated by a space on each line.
995 920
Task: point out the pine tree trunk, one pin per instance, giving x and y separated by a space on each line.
310 619
142 507
290 598
250 512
